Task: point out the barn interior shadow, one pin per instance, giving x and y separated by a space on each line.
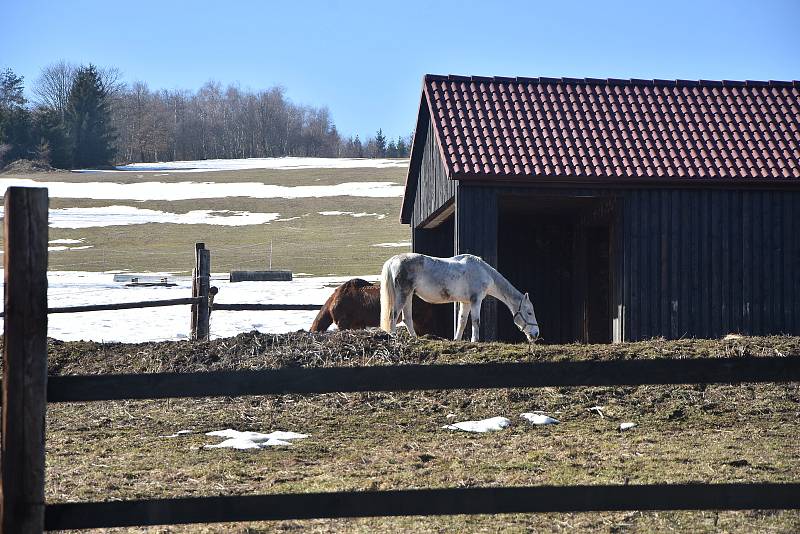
559 249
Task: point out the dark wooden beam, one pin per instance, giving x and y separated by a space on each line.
121 306
24 361
423 377
431 502
265 307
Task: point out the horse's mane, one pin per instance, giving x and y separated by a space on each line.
355 283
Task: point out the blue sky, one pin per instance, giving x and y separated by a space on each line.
365 60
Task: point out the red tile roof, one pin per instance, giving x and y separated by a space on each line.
611 130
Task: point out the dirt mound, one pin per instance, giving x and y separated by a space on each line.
27 166
255 350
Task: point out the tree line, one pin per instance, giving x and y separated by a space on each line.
85 116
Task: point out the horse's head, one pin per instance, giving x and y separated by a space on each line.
525 319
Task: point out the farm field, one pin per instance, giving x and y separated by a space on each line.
115 450
320 221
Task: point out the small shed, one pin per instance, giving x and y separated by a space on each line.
628 209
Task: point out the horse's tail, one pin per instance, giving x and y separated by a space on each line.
323 320
387 297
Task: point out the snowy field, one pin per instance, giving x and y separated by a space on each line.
143 191
76 288
286 163
86 237
128 215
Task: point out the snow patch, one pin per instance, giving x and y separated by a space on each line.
251 440
539 419
61 247
129 215
391 245
62 241
627 426
260 163
379 216
484 425
196 190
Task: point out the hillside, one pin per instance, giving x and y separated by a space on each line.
321 221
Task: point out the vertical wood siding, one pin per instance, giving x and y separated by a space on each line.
434 188
476 233
437 242
732 257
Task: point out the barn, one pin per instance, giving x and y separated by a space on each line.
628 209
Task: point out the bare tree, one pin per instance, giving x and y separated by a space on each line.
53 85
112 80
212 122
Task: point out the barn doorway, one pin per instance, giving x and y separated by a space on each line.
559 249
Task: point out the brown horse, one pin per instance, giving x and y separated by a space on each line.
357 304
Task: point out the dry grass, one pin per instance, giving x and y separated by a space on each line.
102 451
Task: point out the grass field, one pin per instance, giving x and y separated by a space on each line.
309 242
743 433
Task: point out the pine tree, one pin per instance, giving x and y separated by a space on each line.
14 118
402 148
380 143
11 90
359 149
391 150
50 138
88 120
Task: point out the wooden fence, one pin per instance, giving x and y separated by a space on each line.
202 300
27 389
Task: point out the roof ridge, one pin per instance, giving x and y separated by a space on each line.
613 81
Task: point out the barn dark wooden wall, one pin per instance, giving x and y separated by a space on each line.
686 262
476 233
434 189
703 263
439 242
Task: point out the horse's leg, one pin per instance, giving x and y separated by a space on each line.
475 312
407 316
463 315
400 300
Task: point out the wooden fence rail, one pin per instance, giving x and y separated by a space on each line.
179 302
422 377
264 307
423 502
120 306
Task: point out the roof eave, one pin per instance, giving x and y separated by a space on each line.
605 181
424 117
415 161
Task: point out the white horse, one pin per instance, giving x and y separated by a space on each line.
465 279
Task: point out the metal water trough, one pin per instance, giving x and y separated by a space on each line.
261 276
134 280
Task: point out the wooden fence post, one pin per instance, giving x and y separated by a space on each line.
201 283
195 288
24 360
